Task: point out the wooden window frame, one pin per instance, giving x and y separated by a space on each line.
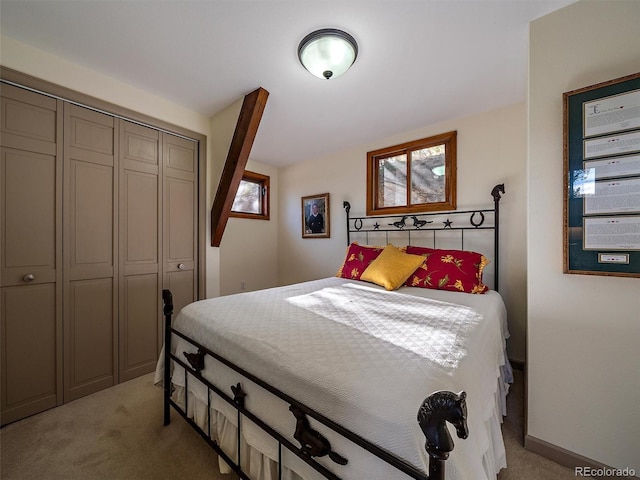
263 181
448 140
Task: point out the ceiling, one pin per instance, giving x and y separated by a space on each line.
420 61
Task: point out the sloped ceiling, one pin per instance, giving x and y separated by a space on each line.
420 61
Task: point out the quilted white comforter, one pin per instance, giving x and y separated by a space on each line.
365 358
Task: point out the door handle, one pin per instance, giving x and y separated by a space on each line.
29 277
181 266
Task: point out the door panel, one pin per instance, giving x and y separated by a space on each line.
29 121
179 154
140 218
179 194
180 219
139 325
139 144
90 250
140 246
29 220
89 335
29 352
91 218
30 253
91 131
181 285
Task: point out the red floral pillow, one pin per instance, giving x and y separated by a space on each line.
357 260
456 270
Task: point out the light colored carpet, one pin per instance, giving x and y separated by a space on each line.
117 434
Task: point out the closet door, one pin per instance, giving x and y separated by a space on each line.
180 225
140 249
90 252
31 253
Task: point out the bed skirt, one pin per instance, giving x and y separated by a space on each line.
259 452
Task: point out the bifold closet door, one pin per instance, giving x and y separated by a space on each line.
180 219
97 216
31 253
140 249
90 252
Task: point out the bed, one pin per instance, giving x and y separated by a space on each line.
348 363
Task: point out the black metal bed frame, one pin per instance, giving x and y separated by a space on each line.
437 409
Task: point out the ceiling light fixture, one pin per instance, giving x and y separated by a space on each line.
327 53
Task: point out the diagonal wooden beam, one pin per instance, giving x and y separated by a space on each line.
243 137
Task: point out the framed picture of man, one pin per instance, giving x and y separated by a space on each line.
315 216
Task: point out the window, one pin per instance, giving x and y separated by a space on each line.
418 176
252 199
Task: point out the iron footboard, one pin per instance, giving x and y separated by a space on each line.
437 409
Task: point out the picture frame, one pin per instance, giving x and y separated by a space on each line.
316 216
601 212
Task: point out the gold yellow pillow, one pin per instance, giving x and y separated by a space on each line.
392 268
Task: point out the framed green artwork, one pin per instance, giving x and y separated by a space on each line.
602 178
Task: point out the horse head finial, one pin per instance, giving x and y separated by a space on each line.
437 409
495 193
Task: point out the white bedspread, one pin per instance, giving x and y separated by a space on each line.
365 358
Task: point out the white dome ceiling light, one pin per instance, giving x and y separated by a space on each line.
327 53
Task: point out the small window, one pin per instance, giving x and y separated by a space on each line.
252 199
418 176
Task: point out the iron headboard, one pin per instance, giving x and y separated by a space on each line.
422 223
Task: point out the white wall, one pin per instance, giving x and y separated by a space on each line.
583 356
248 252
491 150
249 248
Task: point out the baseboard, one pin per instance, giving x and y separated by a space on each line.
565 457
